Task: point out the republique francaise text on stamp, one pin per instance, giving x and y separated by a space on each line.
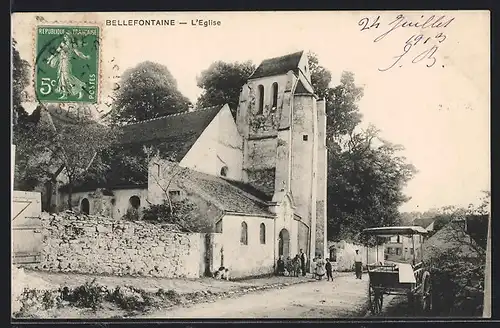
67 63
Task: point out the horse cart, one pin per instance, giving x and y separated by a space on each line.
400 276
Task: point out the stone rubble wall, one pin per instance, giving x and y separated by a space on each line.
99 245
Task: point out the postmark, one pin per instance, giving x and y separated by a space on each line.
67 64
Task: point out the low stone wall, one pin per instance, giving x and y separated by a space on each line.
86 244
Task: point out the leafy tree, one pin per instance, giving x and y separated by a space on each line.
365 184
341 101
147 91
55 145
35 163
20 80
79 148
222 82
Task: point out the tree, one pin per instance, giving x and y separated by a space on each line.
20 80
56 145
147 91
222 82
341 101
365 184
80 146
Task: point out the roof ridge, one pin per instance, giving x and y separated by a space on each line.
174 114
289 54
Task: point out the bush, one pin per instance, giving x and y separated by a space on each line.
33 300
182 214
458 284
88 295
170 295
130 298
92 295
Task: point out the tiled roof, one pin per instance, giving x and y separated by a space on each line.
278 65
223 194
173 134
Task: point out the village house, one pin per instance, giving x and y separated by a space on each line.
404 248
258 180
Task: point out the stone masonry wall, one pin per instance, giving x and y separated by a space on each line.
89 244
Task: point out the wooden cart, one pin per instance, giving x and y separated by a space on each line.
399 278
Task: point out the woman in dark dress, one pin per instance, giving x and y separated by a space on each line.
280 267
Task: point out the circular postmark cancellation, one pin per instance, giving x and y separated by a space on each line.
66 77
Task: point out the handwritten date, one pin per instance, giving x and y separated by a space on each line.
431 22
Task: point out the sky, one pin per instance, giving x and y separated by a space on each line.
440 114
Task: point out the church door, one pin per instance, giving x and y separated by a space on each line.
284 243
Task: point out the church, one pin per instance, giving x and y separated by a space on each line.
258 180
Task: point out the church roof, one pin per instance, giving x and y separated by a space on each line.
223 194
173 134
278 65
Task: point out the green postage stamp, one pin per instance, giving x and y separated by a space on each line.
67 64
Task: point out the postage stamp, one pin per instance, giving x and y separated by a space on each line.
67 64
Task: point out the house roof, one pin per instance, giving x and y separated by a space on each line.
223 194
278 65
173 134
423 222
449 238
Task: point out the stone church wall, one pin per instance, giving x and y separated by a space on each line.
98 245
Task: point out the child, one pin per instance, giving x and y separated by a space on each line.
320 268
328 267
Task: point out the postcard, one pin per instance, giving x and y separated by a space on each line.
314 164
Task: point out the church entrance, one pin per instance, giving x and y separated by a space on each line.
284 243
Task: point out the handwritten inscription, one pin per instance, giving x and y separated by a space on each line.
421 47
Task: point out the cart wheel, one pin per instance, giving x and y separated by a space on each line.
376 299
426 293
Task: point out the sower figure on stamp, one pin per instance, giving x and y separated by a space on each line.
67 83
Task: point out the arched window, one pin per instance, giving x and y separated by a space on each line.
262 233
135 202
275 95
223 171
244 233
260 89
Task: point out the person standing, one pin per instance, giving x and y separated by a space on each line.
358 265
303 261
320 267
280 266
328 267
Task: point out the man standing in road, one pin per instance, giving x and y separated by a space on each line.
358 266
303 261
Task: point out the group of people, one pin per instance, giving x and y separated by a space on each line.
292 267
297 265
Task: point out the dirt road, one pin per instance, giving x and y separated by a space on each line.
344 297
